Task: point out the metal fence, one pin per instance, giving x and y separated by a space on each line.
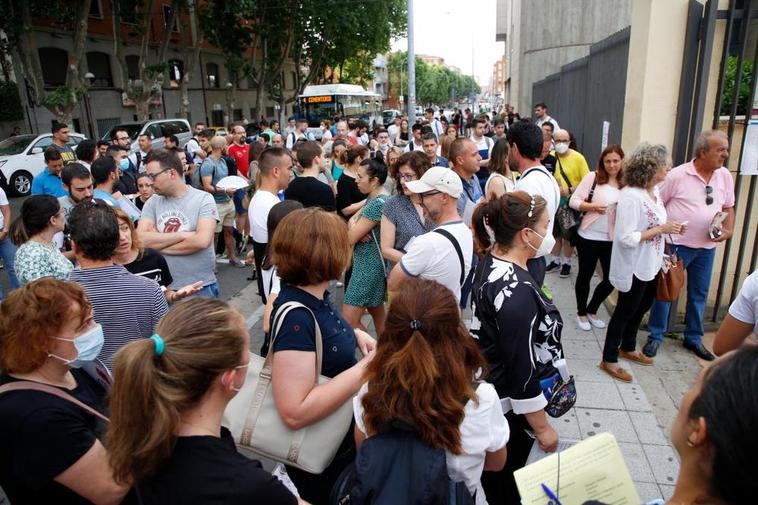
588 92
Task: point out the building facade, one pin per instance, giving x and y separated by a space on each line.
540 37
105 105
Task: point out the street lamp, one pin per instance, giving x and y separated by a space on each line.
90 78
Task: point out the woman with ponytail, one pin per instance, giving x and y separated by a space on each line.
425 374
169 395
349 198
32 232
516 326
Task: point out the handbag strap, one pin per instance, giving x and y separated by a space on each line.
44 388
563 174
592 193
458 250
278 321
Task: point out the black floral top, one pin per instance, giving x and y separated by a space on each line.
519 331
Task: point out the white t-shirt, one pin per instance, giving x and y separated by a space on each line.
483 429
260 206
745 306
544 185
3 201
432 256
483 144
271 282
392 131
292 137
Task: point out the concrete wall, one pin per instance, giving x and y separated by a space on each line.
105 103
552 33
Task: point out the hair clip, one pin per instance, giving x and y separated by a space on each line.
415 325
160 346
531 207
489 230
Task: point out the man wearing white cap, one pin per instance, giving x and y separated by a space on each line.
444 254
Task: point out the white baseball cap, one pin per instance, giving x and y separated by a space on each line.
441 179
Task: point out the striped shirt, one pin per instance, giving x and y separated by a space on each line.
128 306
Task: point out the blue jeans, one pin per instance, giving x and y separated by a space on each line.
699 265
209 291
8 253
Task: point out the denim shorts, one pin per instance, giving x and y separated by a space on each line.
209 291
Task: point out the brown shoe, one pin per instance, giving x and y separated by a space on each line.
637 357
619 374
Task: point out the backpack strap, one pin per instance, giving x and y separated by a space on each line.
138 157
458 250
36 386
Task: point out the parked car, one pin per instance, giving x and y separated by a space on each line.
157 129
389 115
22 157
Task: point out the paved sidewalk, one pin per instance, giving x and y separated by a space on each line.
639 414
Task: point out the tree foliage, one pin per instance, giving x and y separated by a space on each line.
435 84
727 96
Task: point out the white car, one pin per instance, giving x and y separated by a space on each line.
22 157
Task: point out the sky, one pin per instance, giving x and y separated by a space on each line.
449 28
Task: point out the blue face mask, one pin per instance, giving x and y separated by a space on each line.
124 164
88 346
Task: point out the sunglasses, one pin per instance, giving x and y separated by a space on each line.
708 195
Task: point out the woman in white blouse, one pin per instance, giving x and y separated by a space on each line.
596 196
637 254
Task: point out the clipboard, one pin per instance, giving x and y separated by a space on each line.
593 469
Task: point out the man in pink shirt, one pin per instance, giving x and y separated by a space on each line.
695 192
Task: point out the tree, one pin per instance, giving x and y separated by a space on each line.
17 25
727 94
145 91
435 84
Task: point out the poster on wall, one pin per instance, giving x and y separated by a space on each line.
749 164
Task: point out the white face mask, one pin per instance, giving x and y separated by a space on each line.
548 241
561 147
88 346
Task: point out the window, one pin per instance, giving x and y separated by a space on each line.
237 115
167 17
175 73
132 66
128 10
155 130
54 63
176 127
270 111
217 117
105 125
95 9
211 72
99 64
77 127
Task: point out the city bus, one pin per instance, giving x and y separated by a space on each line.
349 101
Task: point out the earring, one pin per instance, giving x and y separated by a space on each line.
690 444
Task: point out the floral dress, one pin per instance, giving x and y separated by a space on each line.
34 261
368 282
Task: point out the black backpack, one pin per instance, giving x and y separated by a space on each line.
394 467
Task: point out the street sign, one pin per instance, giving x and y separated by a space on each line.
749 165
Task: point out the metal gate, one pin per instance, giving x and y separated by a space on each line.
588 92
740 253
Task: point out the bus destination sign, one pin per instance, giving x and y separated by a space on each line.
319 99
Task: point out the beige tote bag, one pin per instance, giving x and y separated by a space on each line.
255 422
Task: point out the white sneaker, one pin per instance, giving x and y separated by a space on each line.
597 323
583 325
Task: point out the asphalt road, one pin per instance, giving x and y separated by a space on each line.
231 280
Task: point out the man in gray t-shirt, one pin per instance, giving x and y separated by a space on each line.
180 221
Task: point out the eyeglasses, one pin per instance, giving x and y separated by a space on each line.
155 176
428 194
708 195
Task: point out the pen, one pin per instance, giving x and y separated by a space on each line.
553 498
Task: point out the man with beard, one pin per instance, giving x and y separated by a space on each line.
77 181
445 253
180 222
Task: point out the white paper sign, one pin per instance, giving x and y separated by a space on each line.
606 129
749 165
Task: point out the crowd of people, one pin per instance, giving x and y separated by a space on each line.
118 359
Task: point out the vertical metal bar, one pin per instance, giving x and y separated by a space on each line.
751 192
746 16
703 70
411 68
689 64
724 58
